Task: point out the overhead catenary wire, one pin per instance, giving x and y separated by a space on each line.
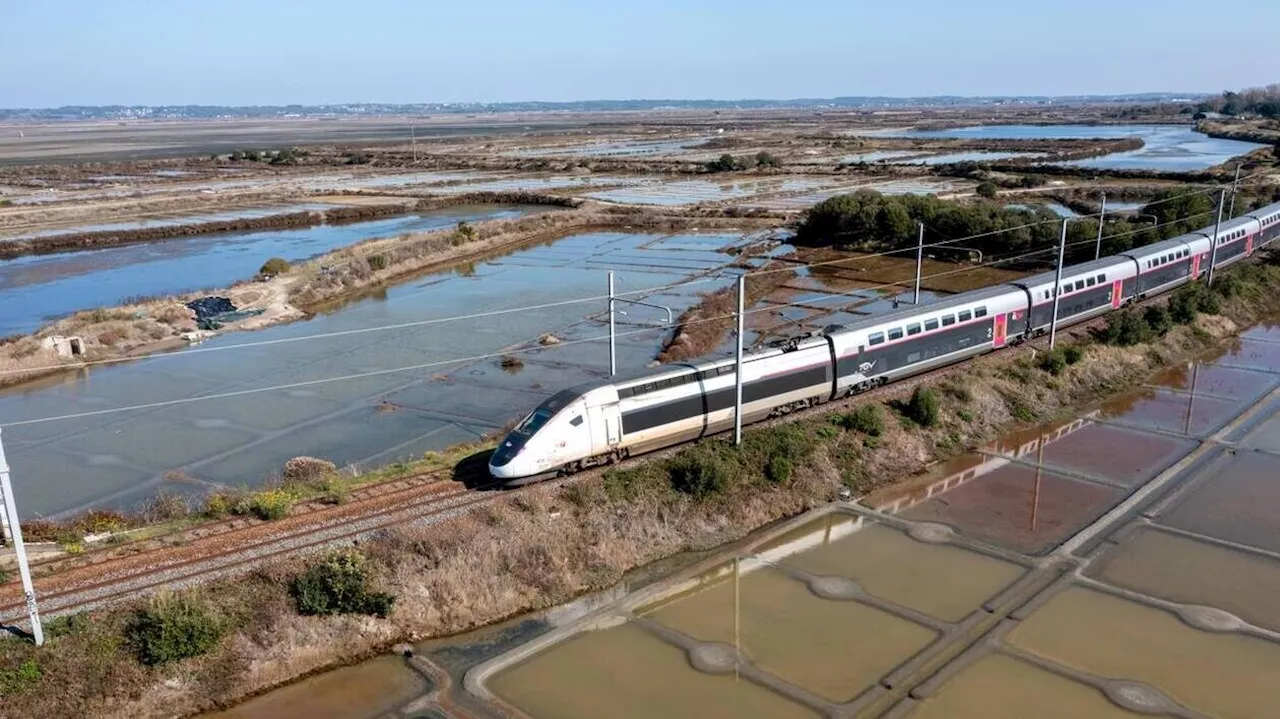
564 303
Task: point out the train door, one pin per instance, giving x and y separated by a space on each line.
1117 294
1195 267
1248 245
1001 328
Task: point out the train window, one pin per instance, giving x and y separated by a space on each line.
576 421
980 312
948 320
895 333
876 338
1102 278
913 329
1079 284
1090 282
965 316
930 325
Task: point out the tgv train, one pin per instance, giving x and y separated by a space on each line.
607 420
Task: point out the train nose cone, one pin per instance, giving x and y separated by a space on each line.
502 471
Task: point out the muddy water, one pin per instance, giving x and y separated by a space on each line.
368 420
1240 504
1187 571
627 673
1018 507
1174 412
41 288
836 649
940 580
362 691
1001 687
1114 454
1227 675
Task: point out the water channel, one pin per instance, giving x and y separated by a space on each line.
40 288
1167 147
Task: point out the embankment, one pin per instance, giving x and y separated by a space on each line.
547 544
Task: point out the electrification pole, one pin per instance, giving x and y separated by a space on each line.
19 549
1102 217
1057 286
737 376
613 347
1213 252
1235 185
919 262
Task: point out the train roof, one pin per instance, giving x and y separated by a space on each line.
1157 248
941 304
1268 214
1084 268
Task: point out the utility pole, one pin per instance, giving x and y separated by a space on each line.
737 376
19 549
413 141
613 345
1057 285
1235 185
1102 218
919 262
1213 241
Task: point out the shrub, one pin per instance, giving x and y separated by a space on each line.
964 415
220 504
1054 361
1073 353
1157 319
1190 300
173 627
987 190
6 574
466 231
623 484
923 407
40 530
697 471
165 507
101 521
778 470
958 391
274 266
26 676
66 625
1125 328
378 262
866 419
269 504
339 584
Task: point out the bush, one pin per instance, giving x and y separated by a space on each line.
765 159
1054 361
269 504
102 521
378 262
6 574
958 391
26 676
697 471
1125 328
1157 319
466 231
987 190
866 419
40 530
173 627
66 625
274 266
1190 300
165 507
1073 353
778 470
338 584
924 407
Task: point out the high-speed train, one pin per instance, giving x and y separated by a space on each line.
607 420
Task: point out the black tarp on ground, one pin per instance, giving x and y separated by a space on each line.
207 307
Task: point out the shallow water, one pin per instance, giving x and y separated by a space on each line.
121 458
1001 687
626 672
836 649
1240 503
1168 147
177 220
1189 571
42 288
1227 675
363 691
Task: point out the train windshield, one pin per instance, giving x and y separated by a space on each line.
534 421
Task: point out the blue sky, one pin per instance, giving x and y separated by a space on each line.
56 52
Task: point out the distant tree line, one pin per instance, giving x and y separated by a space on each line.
1264 101
730 163
871 222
